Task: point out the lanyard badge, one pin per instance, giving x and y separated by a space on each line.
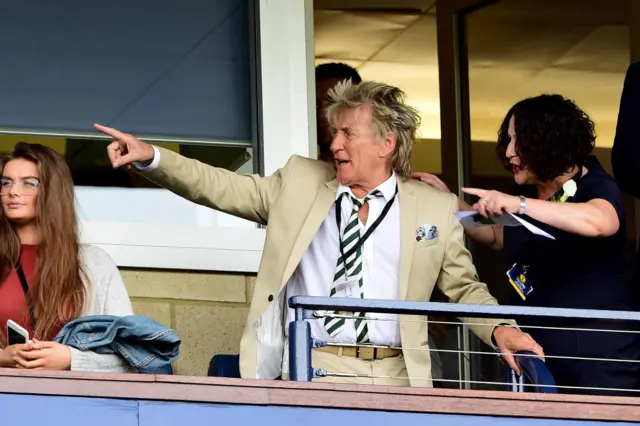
518 278
517 275
350 288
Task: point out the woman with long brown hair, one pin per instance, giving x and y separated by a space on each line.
47 278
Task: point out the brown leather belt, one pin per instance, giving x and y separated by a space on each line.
360 352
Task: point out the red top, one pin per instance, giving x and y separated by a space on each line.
13 303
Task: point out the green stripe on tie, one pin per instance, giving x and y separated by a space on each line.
350 235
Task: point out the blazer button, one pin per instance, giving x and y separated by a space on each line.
270 298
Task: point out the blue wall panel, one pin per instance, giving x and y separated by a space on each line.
77 411
165 414
67 411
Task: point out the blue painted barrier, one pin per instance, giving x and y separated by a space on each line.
80 411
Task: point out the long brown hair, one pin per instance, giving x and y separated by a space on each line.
59 293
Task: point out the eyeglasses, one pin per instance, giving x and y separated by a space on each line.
28 186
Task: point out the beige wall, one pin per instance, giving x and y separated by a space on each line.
208 310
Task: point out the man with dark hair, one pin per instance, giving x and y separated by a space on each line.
626 145
327 76
625 153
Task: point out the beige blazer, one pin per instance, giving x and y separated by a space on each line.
293 202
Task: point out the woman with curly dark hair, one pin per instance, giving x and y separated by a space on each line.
547 142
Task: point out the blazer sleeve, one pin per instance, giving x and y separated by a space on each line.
625 154
247 196
458 279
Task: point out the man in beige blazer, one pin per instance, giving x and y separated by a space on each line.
311 249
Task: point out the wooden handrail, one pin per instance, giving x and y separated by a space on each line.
319 395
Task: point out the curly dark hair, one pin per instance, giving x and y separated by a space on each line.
552 135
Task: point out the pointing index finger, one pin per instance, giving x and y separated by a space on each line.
474 191
116 134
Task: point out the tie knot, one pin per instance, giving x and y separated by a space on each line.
358 202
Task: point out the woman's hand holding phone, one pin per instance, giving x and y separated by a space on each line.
44 356
33 354
8 354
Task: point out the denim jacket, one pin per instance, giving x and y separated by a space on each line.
148 346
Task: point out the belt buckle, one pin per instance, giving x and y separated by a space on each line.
363 352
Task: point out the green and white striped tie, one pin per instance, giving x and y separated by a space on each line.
351 270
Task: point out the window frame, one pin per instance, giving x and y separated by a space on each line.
282 40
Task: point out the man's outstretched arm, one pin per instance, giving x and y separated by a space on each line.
246 196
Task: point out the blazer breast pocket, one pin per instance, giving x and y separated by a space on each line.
427 243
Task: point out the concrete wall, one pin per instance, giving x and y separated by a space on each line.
208 310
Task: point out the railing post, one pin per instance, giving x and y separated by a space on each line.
466 360
300 348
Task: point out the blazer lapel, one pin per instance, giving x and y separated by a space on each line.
324 200
408 214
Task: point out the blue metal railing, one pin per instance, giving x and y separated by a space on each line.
301 342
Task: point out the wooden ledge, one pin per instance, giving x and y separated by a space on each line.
319 395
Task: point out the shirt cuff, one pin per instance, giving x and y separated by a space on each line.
493 341
154 163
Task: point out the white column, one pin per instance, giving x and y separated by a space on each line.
287 81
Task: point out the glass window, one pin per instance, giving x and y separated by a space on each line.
518 49
153 69
180 77
397 47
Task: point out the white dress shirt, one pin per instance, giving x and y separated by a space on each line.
380 262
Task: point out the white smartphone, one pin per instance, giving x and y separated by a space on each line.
16 334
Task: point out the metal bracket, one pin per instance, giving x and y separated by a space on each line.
315 343
318 373
319 313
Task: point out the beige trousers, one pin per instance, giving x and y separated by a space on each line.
393 368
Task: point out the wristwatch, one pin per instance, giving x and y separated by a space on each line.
523 203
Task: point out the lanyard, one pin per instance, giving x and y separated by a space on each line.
27 295
363 238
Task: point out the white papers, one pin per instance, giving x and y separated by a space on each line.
473 219
534 229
